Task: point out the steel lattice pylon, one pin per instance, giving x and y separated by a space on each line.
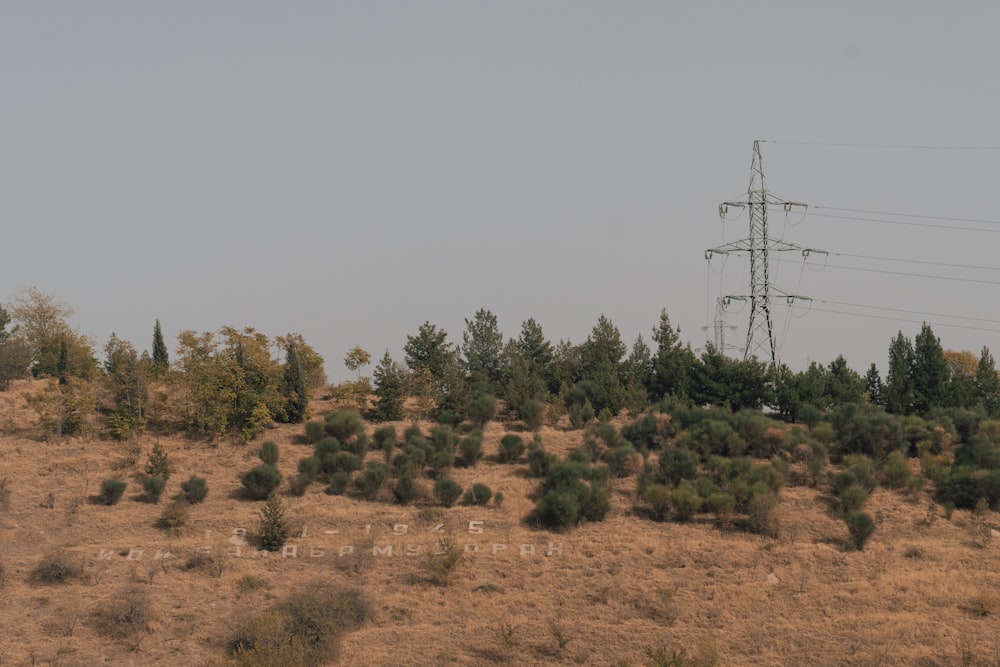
758 246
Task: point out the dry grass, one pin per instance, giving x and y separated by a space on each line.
921 593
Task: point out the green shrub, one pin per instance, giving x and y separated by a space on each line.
539 461
385 440
448 417
843 480
595 500
269 452
405 491
532 412
619 459
558 509
261 481
442 561
315 430
762 510
194 489
470 450
853 498
896 471
308 467
482 409
338 483
345 462
297 484
274 529
348 427
677 463
479 494
863 469
441 462
861 527
685 501
111 491
371 481
721 505
581 414
153 488
511 447
447 491
657 496
444 438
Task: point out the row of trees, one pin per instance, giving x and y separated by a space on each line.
219 383
602 373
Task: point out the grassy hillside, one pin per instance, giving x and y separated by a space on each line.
625 591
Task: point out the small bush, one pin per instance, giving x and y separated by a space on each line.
371 481
443 560
274 529
309 468
581 414
127 616
304 630
269 452
470 450
298 484
405 491
511 448
896 471
447 491
315 431
657 496
685 501
853 498
174 516
338 483
482 409
348 427
111 491
558 509
385 440
533 414
58 568
261 481
861 527
479 494
153 487
345 462
195 490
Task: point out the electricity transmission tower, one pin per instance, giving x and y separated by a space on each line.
760 331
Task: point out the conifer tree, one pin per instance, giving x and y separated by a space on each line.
390 390
161 359
62 367
296 391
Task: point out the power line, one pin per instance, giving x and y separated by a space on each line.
907 224
904 273
917 261
913 312
834 144
901 319
908 215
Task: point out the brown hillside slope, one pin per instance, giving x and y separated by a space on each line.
920 594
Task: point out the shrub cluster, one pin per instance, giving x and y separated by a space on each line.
305 629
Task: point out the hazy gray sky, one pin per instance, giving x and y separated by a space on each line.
349 170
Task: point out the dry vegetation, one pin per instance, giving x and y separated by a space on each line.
81 583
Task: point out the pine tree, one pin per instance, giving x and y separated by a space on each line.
482 348
898 389
274 529
672 362
161 359
390 389
930 371
873 386
988 383
296 391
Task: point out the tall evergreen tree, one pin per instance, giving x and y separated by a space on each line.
161 360
672 361
482 349
988 383
930 371
873 386
843 384
898 389
295 386
390 390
